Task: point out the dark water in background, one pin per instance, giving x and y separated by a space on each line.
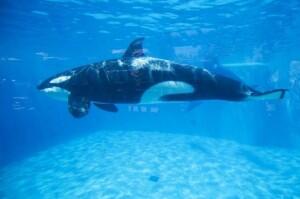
41 38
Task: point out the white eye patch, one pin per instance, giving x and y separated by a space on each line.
60 79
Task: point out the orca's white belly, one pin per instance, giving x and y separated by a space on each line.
154 93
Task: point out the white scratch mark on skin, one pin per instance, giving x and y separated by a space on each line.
98 73
207 71
120 63
168 65
210 74
152 63
106 75
141 62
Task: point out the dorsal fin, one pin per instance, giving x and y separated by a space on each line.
135 49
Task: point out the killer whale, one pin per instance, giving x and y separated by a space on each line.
137 78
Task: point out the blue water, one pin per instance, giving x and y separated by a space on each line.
215 150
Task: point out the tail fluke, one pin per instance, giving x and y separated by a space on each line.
269 95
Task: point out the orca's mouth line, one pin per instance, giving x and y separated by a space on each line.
40 87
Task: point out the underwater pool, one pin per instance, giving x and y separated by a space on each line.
136 164
149 99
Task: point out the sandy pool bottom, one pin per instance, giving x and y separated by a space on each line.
153 165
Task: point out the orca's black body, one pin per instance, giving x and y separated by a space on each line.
136 78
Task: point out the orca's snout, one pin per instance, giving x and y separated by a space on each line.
42 85
39 86
56 81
